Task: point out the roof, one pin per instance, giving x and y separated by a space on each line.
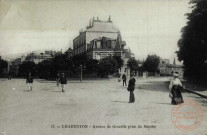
100 38
69 50
101 26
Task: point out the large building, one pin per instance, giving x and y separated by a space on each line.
38 57
35 57
99 40
13 66
168 69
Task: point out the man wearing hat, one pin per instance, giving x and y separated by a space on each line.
124 79
131 86
29 81
63 81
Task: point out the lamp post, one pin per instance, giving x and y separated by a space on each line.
81 66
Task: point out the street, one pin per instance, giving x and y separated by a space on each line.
46 110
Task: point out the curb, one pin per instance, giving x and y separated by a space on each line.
190 91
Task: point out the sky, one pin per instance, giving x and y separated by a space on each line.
147 26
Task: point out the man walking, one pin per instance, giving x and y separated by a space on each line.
63 81
131 87
124 79
29 81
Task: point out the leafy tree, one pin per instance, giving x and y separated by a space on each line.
107 66
43 69
60 63
119 61
91 66
3 65
133 64
79 60
151 63
26 67
193 42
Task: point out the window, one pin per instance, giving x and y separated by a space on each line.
98 44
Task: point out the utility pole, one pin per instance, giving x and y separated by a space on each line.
81 66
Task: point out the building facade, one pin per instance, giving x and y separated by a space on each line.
38 57
168 69
103 47
99 40
35 57
69 52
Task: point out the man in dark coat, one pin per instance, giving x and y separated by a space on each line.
124 79
29 81
131 87
63 81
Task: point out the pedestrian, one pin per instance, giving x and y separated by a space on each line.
57 79
131 87
119 78
176 87
29 81
124 79
63 81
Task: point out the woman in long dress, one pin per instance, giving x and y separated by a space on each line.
176 87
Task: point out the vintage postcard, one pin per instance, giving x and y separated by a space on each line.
103 67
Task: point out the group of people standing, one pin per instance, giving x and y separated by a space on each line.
59 79
62 80
175 87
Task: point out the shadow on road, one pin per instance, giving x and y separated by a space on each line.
154 86
57 91
25 90
162 103
120 101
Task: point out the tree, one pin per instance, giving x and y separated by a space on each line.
43 69
3 65
133 64
119 61
60 63
80 59
107 66
193 42
91 66
26 67
151 63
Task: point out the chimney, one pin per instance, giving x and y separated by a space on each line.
174 63
109 20
93 21
90 23
97 18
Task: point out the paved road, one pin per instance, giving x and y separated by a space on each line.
92 103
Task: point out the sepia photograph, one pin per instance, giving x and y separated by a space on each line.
103 67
